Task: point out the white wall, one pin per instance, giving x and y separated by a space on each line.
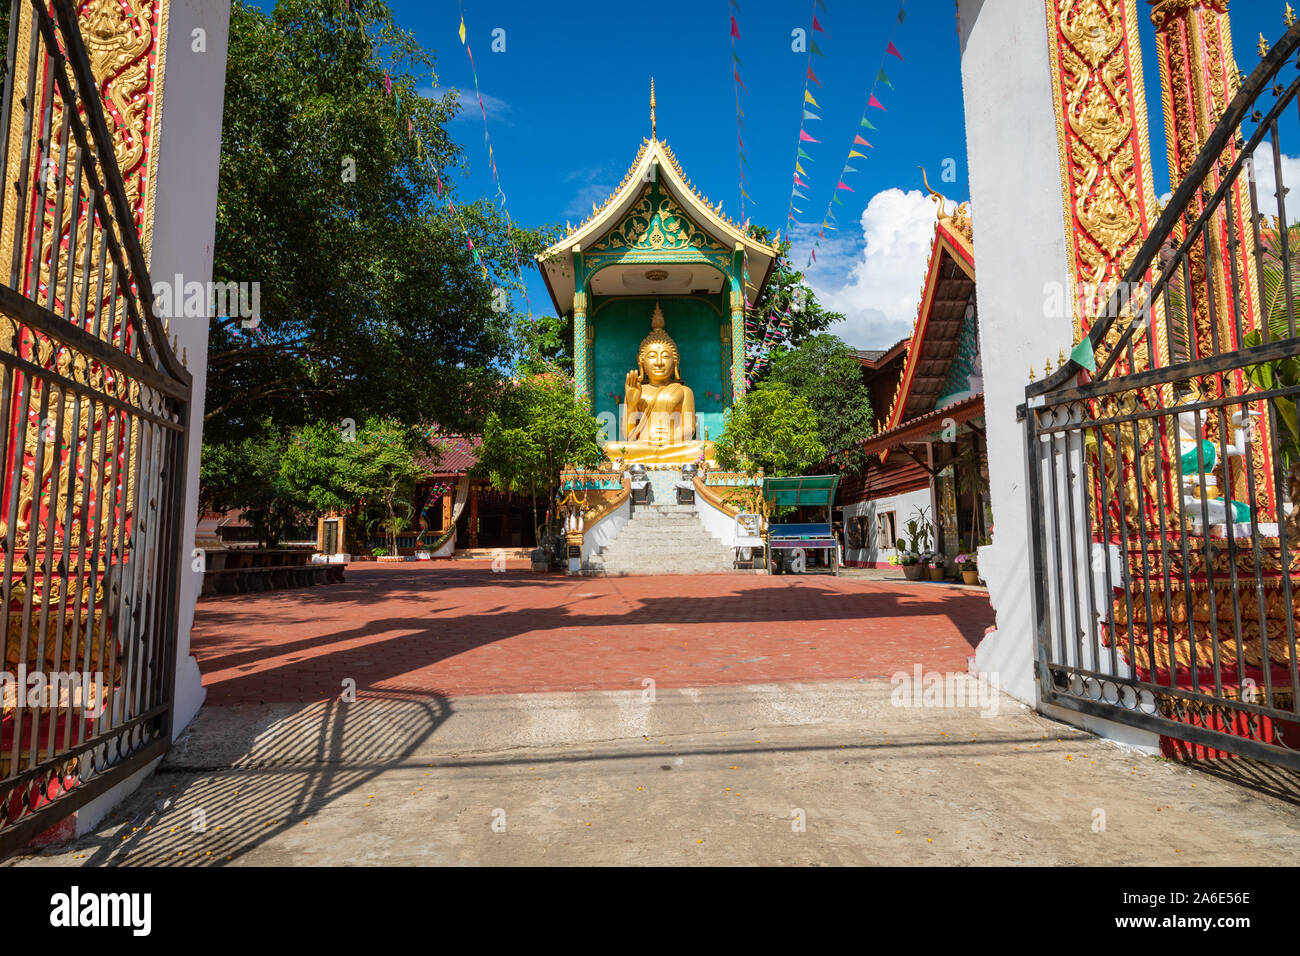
1016 205
185 204
904 507
1017 208
597 537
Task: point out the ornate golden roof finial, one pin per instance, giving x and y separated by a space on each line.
1031 373
1048 367
1289 17
653 132
1263 46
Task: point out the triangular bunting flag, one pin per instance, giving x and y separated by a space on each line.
842 186
1082 354
875 102
816 49
810 115
742 85
800 169
799 194
881 78
847 169
813 76
805 138
817 26
858 140
801 182
867 123
835 198
735 30
892 50
808 98
804 154
854 152
462 30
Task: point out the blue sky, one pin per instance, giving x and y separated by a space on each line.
568 105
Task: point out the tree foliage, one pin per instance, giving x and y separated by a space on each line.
537 429
823 372
771 428
787 289
245 474
370 475
371 304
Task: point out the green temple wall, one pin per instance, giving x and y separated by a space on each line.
695 323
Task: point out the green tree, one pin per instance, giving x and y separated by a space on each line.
774 429
370 475
787 289
245 474
371 302
823 371
543 344
537 429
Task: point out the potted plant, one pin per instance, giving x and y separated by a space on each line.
966 564
934 563
909 561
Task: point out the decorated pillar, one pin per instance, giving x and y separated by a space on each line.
1198 79
1106 179
737 323
581 353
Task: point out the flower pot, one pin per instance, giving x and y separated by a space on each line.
936 574
912 572
970 577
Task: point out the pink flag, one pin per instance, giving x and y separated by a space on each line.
800 181
735 30
813 76
739 82
817 26
805 138
860 141
842 186
893 50
875 102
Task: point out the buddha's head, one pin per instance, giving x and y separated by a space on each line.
657 357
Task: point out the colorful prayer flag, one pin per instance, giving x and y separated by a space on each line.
805 138
875 102
892 50
808 98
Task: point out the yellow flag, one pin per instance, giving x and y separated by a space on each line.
462 29
854 152
808 98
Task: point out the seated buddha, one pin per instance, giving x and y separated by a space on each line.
659 409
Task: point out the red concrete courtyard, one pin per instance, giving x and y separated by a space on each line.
461 629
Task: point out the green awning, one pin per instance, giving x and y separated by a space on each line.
813 490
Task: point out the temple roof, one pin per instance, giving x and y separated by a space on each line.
945 297
654 162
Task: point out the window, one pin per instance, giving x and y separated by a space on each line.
886 535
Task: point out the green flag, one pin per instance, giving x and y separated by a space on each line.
1083 354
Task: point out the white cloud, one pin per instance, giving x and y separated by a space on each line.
878 288
496 108
1266 182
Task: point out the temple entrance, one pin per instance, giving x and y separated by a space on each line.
496 519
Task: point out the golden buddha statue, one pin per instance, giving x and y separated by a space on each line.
659 409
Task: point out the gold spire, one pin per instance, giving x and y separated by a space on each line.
1263 46
653 132
1289 17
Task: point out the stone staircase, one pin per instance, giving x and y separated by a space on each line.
663 538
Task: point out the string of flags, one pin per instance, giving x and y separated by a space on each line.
424 155
807 114
857 149
492 163
740 111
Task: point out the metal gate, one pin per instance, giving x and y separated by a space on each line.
1163 485
94 408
